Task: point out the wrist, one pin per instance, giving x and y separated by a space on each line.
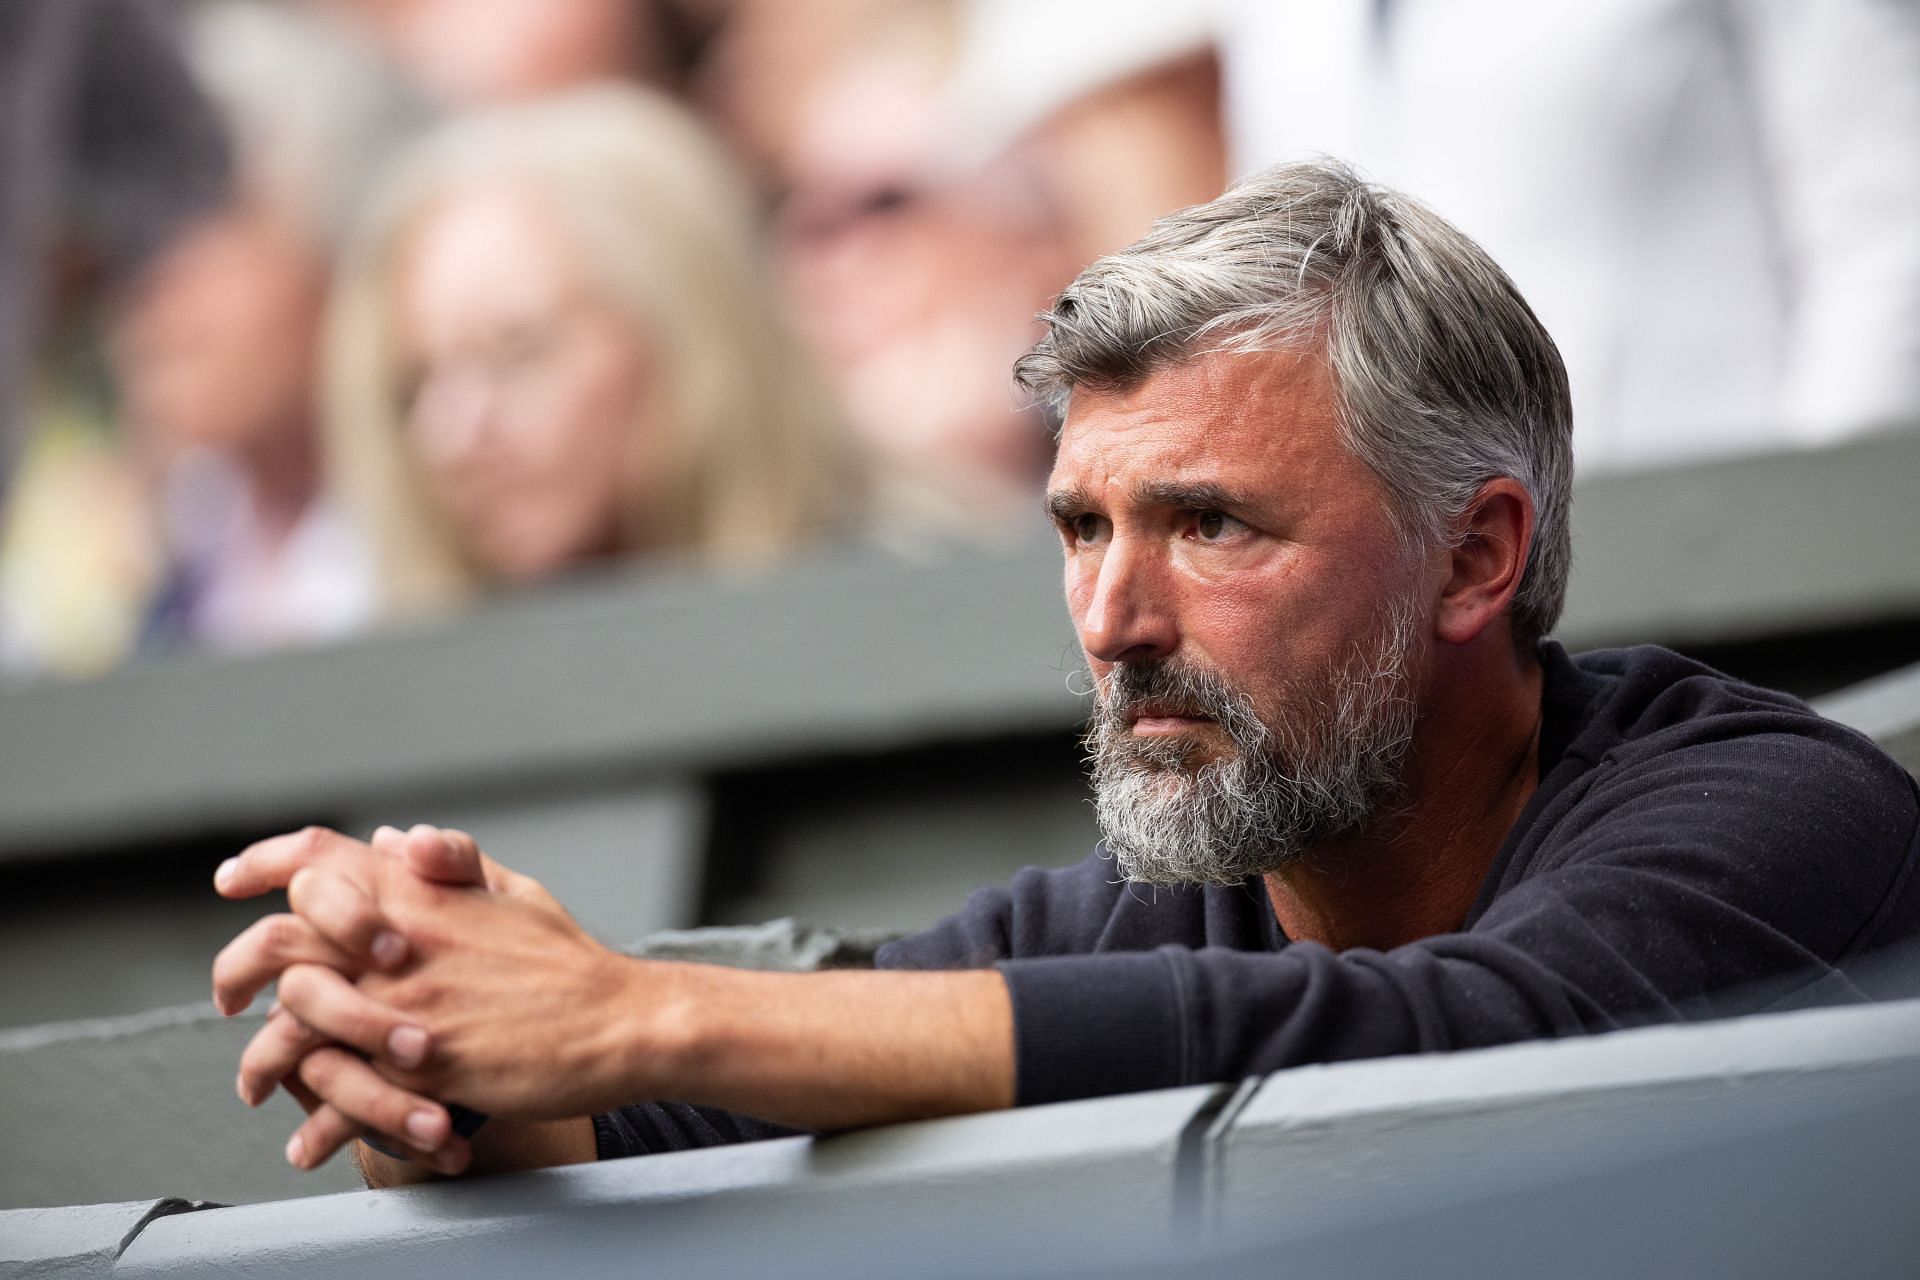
662 1027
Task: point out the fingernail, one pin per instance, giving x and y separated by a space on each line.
224 874
389 949
446 1160
408 1047
296 1152
385 832
240 1087
424 1127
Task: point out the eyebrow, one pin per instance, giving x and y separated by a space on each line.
1064 504
1201 496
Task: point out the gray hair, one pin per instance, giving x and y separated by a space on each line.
1445 379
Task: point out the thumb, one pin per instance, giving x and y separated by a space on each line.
444 855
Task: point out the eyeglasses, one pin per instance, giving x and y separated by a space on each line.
508 373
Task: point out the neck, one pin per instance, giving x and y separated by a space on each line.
1416 871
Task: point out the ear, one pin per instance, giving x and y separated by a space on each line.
1487 561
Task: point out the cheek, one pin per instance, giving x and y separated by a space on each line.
1259 629
600 440
1233 631
569 479
460 491
1245 601
1078 579
602 415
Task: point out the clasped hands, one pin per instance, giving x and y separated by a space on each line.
413 970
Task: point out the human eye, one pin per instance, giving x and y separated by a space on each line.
1214 526
1084 529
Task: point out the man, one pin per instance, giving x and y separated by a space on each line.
1312 489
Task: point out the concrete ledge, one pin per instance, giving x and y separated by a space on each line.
1746 547
1785 1144
1515 1152
84 1240
1884 1038
599 681
1043 1188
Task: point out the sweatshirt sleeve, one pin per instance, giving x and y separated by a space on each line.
1041 911
1716 879
648 1128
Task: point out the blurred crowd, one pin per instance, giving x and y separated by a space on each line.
316 314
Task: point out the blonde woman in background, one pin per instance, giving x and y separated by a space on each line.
552 345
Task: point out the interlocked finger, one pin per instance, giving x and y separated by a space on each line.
331 1005
273 1054
327 1123
345 914
325 1130
445 855
265 950
351 1088
269 864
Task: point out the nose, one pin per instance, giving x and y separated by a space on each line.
1124 607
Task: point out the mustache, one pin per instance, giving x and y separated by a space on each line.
1168 687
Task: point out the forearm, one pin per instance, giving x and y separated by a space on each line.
828 1050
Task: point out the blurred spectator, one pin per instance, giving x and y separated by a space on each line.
920 241
553 344
769 57
1714 207
473 52
79 558
1129 122
106 149
216 346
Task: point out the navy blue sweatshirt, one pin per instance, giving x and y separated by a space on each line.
1696 847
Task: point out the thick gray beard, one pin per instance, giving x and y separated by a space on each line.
1334 760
